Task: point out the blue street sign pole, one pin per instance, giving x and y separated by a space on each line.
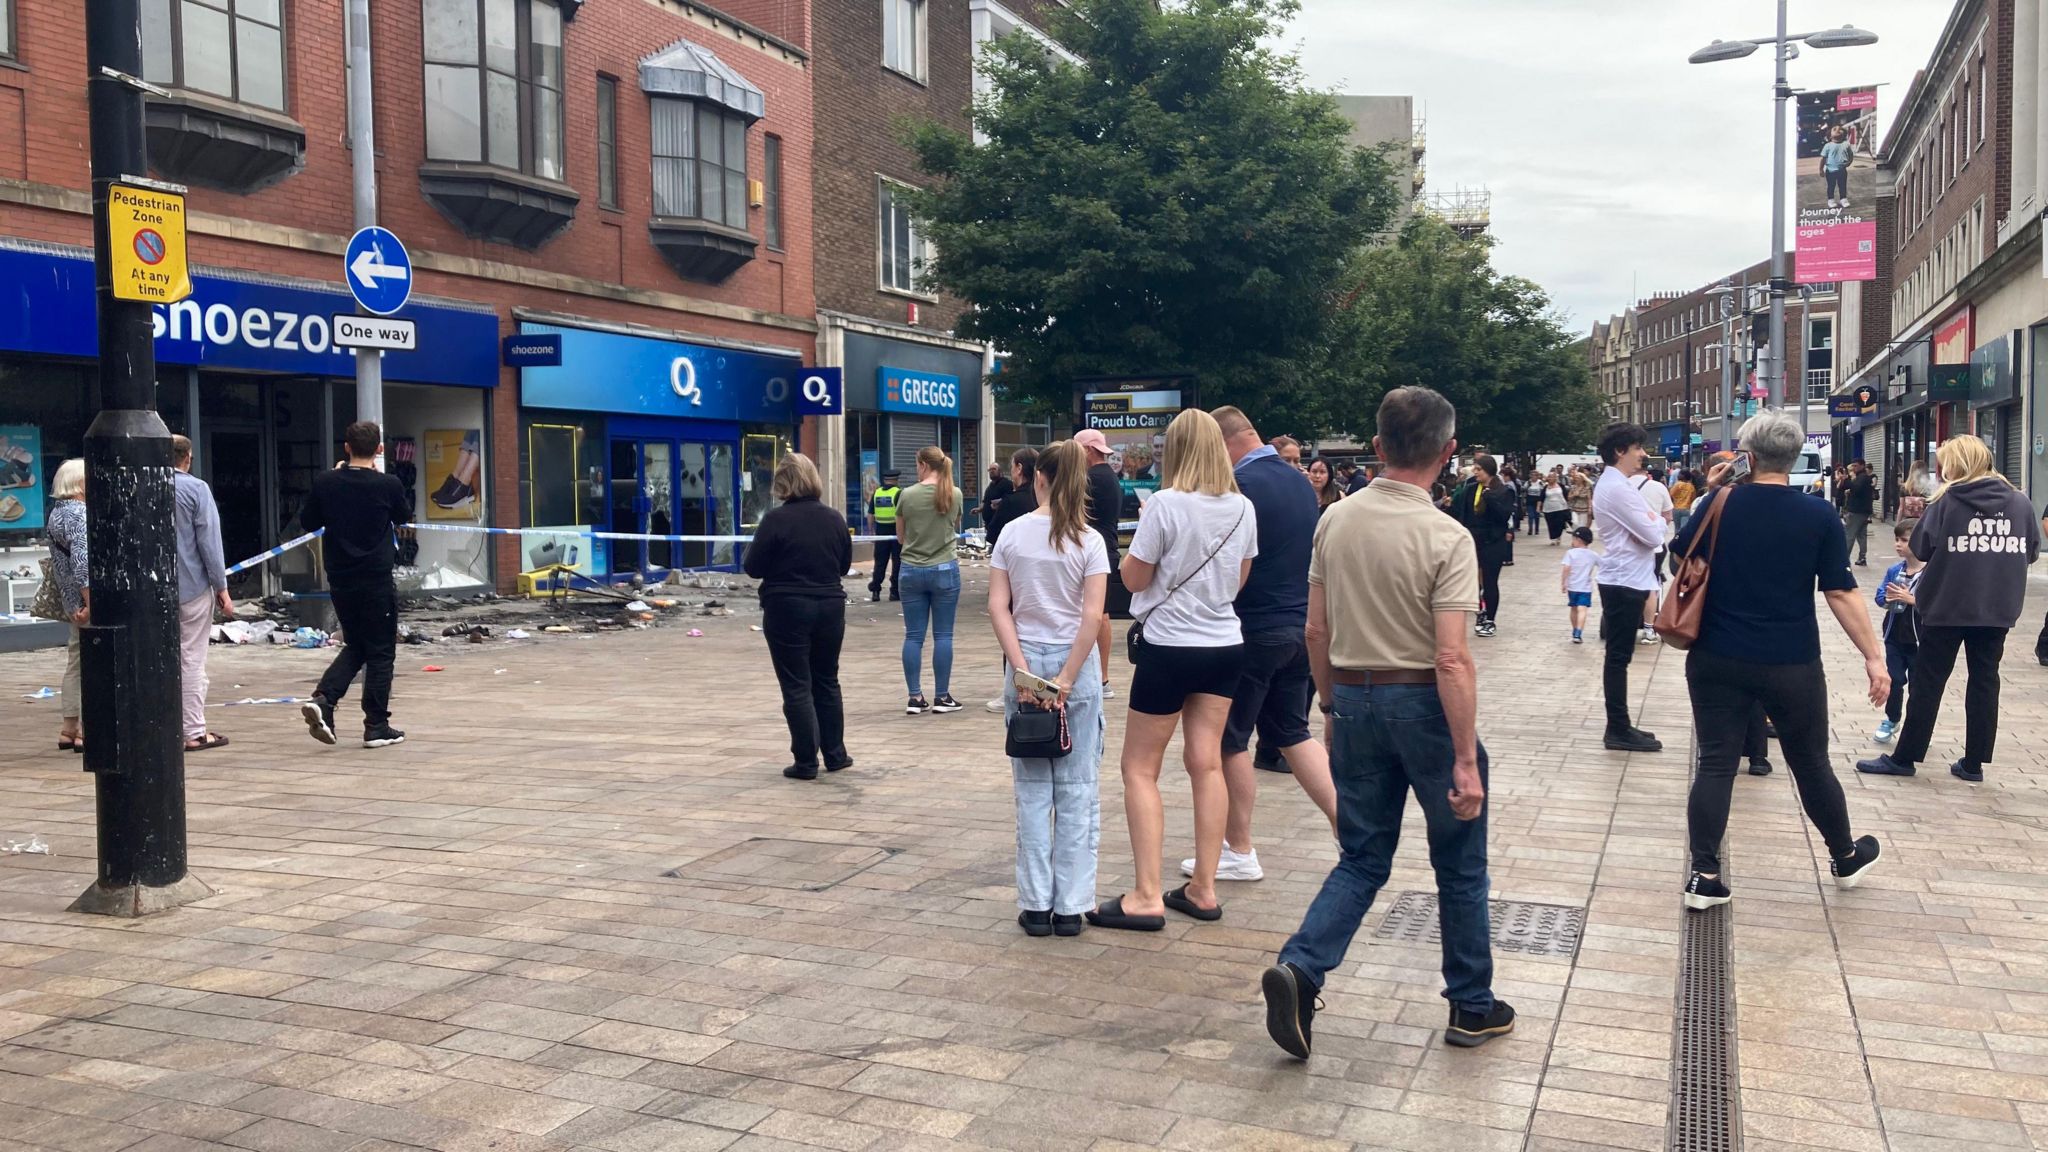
377 270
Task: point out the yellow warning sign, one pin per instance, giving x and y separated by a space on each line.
146 232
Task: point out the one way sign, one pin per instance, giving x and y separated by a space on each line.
378 271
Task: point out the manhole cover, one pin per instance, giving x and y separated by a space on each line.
1518 926
799 864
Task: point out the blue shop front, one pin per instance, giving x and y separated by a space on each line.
248 369
645 433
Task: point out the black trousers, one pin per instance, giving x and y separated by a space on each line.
1556 522
888 554
1489 587
1725 695
804 636
1621 621
1898 660
1983 648
1756 740
2041 643
368 616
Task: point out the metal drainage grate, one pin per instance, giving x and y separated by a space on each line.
798 864
1703 1099
1518 925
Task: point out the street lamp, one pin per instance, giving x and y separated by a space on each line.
1786 48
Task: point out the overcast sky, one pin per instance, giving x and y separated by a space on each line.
1615 166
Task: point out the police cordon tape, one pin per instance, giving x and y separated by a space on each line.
308 538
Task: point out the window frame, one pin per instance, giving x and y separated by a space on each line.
175 28
920 247
526 85
920 62
771 192
696 110
10 41
607 141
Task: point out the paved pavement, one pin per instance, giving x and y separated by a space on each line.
580 908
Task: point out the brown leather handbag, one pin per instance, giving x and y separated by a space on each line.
1678 619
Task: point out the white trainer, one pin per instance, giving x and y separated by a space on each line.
1233 865
996 705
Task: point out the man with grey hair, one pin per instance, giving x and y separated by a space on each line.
1393 585
202 586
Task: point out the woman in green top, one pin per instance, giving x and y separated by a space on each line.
928 524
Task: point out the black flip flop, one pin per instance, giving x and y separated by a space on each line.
1179 902
1112 915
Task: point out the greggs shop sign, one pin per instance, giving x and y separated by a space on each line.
918 393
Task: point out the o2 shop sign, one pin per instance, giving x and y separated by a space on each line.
919 393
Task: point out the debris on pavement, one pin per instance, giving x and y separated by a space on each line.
44 693
34 846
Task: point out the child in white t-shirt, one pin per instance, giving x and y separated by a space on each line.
1576 579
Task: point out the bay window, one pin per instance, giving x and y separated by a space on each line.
494 83
700 162
233 49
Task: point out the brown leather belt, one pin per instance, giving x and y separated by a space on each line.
1353 678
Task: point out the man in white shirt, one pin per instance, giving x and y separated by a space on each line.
1658 498
1630 535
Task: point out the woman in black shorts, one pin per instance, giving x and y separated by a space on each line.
1193 550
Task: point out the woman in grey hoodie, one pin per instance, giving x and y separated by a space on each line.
1977 538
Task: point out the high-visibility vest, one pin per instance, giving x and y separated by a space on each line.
884 505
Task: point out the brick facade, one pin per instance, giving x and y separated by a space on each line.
603 266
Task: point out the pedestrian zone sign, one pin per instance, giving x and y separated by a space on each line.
146 244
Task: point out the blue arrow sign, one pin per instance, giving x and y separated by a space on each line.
378 271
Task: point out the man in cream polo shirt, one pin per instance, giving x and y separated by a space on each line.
1393 586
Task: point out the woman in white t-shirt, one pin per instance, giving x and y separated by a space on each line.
1193 550
1049 576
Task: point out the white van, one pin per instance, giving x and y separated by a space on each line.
1808 469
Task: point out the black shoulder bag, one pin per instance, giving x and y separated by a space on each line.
1038 733
1134 640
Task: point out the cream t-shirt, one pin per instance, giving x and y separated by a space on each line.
1388 561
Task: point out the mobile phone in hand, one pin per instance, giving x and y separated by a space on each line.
1034 690
1738 470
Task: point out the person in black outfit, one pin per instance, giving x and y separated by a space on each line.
1105 505
798 554
359 507
999 486
1485 506
1022 500
1759 644
1859 501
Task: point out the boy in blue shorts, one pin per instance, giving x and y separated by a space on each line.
1576 579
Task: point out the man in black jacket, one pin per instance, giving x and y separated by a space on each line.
359 507
998 487
1484 506
1859 500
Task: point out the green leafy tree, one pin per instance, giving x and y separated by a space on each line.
1432 310
1178 204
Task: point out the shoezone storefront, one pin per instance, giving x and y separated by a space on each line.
640 432
248 369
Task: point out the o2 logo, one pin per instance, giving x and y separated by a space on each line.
682 376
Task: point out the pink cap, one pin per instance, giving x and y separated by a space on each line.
1092 438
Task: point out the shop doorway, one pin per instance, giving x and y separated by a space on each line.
671 487
234 462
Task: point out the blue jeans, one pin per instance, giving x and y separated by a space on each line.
930 596
1385 741
1059 810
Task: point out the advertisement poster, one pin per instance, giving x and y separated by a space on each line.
21 480
570 546
453 464
1835 186
870 479
1133 414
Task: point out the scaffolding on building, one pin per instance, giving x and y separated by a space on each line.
1469 211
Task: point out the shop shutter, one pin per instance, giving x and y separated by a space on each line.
907 435
2012 457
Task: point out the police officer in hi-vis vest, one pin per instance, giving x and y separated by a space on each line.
882 522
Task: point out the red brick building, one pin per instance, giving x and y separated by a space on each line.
632 179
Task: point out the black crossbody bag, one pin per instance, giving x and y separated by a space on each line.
1134 640
1038 733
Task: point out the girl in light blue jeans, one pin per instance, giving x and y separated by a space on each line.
1049 575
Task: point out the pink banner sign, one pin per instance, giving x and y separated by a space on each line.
1835 185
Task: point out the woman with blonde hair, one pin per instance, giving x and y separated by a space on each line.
1048 578
800 553
1977 538
928 529
1192 552
66 528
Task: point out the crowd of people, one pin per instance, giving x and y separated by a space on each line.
1264 590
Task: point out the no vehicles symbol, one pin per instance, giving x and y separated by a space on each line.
149 246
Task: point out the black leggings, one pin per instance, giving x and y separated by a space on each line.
1489 588
1725 694
1932 664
